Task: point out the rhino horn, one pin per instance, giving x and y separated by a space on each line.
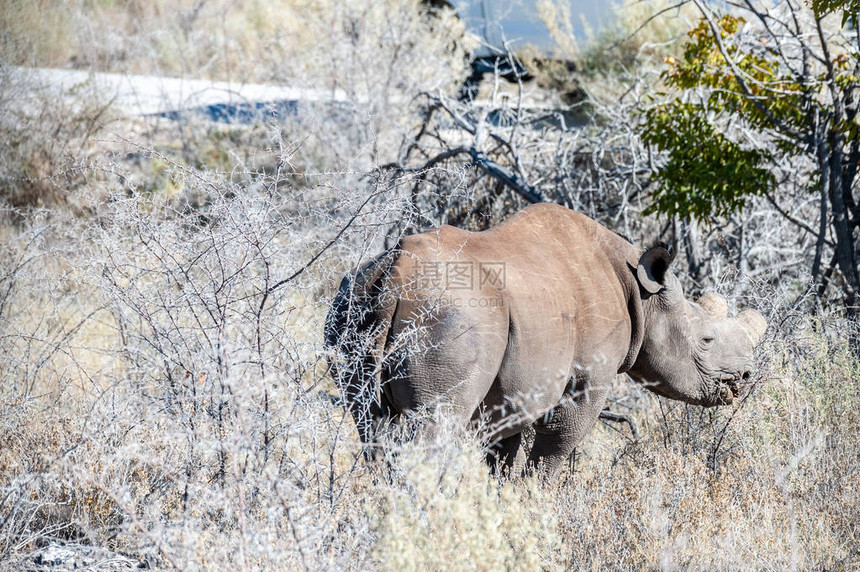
715 305
754 324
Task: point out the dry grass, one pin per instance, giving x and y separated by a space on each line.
140 414
251 41
377 58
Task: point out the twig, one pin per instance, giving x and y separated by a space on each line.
316 256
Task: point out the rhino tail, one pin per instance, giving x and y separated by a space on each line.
356 332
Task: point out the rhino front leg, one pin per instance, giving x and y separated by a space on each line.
558 433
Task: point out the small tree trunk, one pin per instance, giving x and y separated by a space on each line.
846 255
691 248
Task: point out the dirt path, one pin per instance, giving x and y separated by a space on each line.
136 95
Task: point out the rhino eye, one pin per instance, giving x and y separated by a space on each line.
707 340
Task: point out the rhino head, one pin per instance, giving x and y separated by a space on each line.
691 351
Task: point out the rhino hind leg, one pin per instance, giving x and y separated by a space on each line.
505 456
448 377
360 390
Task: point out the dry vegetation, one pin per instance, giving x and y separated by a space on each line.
164 393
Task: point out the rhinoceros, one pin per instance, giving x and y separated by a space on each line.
527 324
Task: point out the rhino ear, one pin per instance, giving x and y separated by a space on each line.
652 268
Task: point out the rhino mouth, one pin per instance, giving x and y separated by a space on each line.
729 389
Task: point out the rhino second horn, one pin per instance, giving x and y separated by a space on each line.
754 324
715 305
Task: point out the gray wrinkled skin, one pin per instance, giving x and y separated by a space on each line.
526 324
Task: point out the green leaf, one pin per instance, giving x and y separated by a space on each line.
706 174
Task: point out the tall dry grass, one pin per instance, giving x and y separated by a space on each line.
373 59
250 41
151 406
